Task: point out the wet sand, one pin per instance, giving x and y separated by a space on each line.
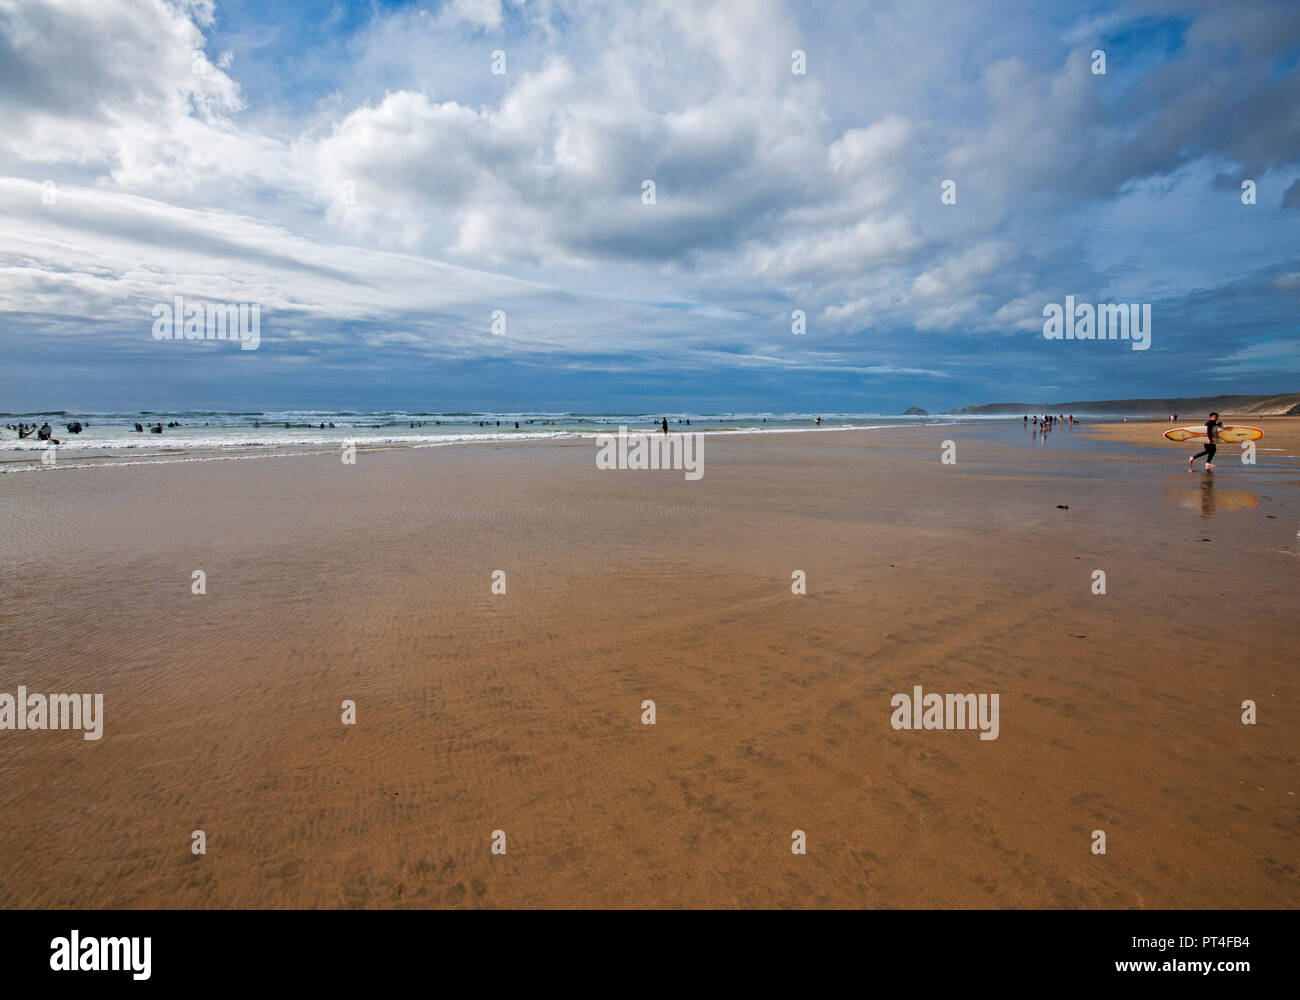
522 712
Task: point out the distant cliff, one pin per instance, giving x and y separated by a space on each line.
1259 406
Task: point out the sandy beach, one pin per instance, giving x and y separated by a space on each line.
522 712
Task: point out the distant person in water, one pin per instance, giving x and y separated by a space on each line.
818 420
1212 432
664 424
44 433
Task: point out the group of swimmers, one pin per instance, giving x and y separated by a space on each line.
43 433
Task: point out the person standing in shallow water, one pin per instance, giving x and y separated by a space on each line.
664 423
1212 432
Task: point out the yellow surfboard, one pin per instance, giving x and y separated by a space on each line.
1229 434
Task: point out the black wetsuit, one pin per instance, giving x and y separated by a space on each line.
1213 445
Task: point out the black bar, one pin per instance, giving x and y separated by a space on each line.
904 951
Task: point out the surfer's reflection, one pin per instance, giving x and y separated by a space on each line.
1212 500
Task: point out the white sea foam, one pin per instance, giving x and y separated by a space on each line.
182 448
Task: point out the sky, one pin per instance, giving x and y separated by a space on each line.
382 179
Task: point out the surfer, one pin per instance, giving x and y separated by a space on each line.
1211 446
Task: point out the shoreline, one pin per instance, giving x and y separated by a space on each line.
239 452
27 457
